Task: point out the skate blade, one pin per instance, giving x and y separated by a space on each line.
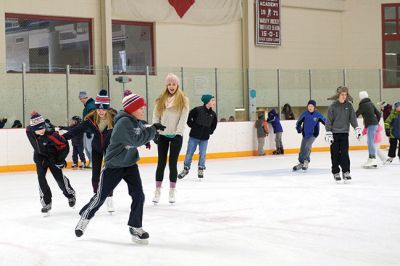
172 203
47 214
371 167
155 202
140 241
111 212
346 181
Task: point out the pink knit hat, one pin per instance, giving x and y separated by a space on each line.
171 78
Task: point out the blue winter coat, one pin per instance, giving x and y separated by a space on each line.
308 123
273 119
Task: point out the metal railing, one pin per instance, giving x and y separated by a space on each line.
55 95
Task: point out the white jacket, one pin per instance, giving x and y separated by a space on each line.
174 121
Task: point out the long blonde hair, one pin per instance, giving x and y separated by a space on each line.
180 101
95 118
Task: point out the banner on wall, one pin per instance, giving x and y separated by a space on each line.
268 22
198 12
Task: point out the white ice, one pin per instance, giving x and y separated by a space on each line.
247 211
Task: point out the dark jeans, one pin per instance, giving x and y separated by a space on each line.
393 147
340 153
110 178
78 150
62 182
174 145
97 161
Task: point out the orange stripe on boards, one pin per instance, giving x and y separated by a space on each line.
218 155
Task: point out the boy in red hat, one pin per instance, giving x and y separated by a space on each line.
120 163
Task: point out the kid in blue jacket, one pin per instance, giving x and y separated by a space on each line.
273 119
308 126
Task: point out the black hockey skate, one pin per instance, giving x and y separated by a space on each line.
139 235
297 167
184 172
72 201
74 166
81 227
305 165
337 177
46 210
346 177
200 173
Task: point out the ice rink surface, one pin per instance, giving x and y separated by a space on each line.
247 211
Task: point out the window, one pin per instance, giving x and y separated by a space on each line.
391 45
132 47
48 44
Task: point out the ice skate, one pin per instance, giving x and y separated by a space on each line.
139 235
46 210
74 166
184 172
172 195
297 167
157 195
337 177
110 205
72 201
371 164
305 165
81 226
346 177
388 160
200 174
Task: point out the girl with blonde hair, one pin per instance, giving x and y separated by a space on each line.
101 122
171 110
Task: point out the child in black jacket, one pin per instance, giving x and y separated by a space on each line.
50 151
77 143
202 121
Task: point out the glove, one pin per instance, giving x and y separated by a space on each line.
299 130
158 126
387 132
329 137
88 135
61 165
148 145
358 132
156 138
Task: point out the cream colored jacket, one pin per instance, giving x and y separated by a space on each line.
173 120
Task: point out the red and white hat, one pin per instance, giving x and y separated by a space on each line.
102 100
132 102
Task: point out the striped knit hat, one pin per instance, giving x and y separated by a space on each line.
102 100
37 121
132 102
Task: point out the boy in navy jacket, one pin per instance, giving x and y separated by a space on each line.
308 126
273 119
49 152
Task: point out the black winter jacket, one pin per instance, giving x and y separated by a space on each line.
50 147
369 112
100 139
202 122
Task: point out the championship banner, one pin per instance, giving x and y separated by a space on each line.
268 22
